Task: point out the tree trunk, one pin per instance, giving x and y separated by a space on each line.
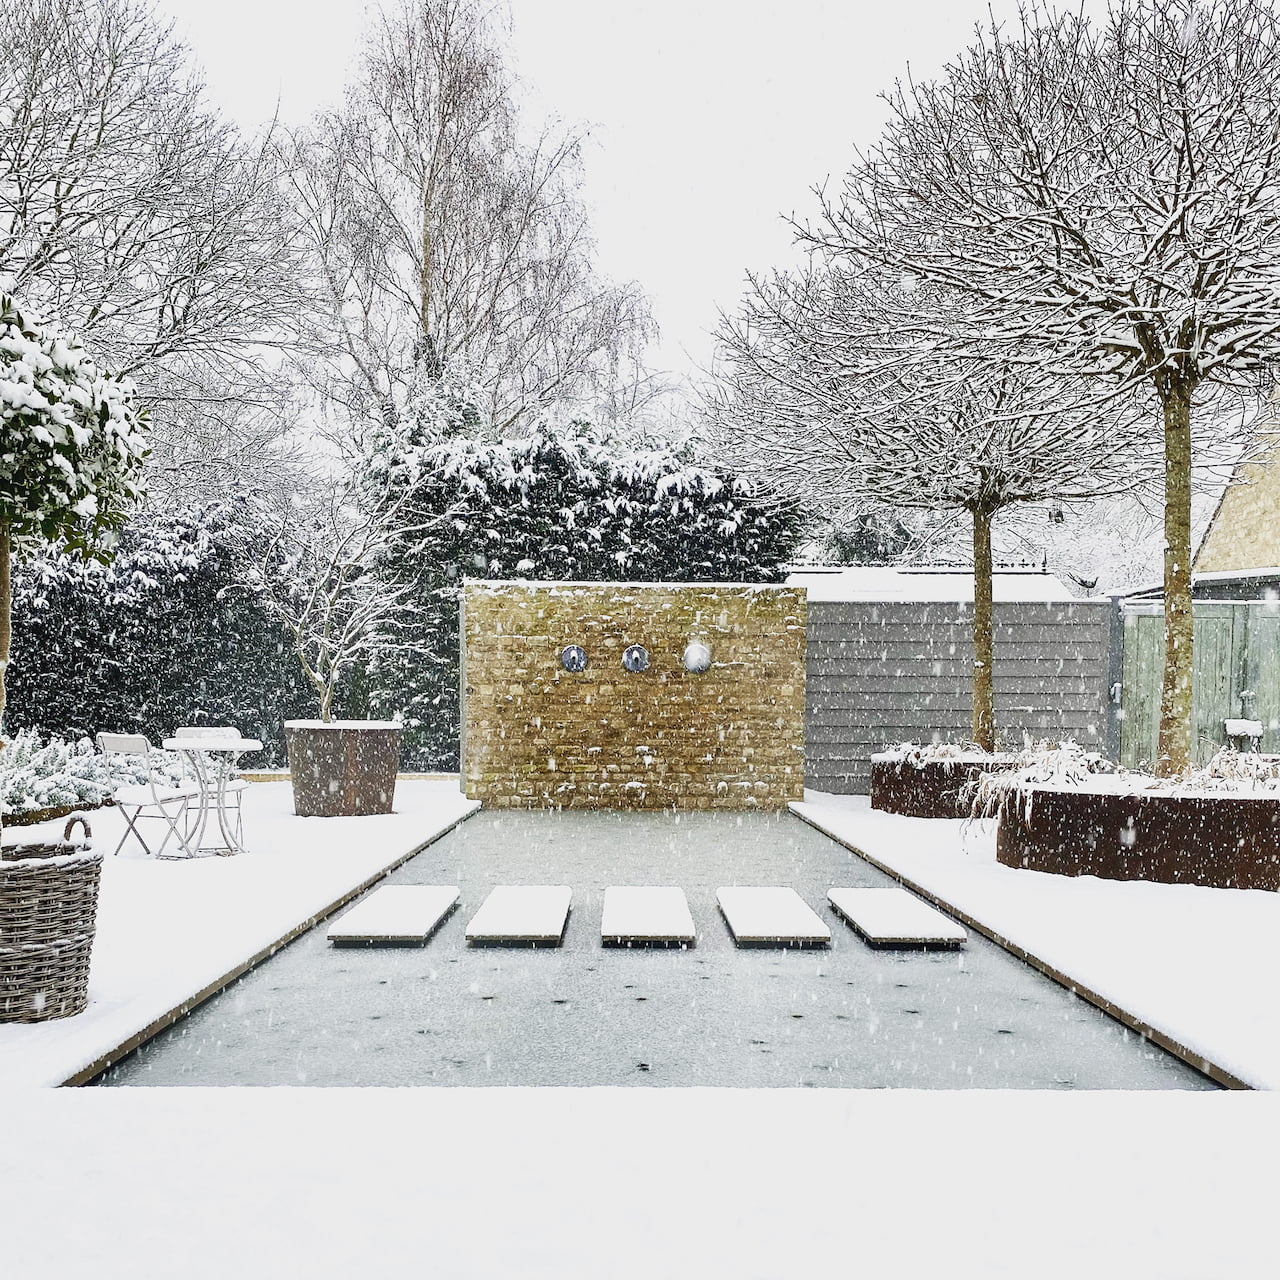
984 703
1174 747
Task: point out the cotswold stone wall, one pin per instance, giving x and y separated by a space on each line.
536 735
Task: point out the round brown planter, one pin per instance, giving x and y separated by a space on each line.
1223 841
934 789
342 768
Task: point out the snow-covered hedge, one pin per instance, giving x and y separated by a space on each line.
36 775
165 635
568 503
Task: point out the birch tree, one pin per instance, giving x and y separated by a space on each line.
836 391
444 242
1107 199
134 215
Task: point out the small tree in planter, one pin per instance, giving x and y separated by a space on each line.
320 578
71 450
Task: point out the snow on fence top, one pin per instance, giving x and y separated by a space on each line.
881 584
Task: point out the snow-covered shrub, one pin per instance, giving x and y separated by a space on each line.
571 503
36 775
1064 764
1246 772
71 449
165 635
73 443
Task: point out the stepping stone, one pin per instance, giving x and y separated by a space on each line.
645 915
522 913
896 918
396 913
768 916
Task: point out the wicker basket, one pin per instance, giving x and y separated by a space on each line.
48 906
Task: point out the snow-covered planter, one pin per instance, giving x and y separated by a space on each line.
936 780
343 768
1219 826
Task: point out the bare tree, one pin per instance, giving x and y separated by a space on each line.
836 392
441 240
131 212
321 575
1107 198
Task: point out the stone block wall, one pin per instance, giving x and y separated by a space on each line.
536 735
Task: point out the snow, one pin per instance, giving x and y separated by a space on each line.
879 584
146 1184
894 917
1196 964
169 930
595 1184
646 914
522 913
766 914
342 724
396 913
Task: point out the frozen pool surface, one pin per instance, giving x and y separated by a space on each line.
583 1014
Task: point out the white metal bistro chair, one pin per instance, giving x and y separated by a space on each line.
228 792
155 799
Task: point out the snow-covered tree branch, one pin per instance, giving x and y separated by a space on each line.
842 386
1107 200
444 242
321 576
134 215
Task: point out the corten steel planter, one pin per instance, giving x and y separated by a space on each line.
1222 841
343 768
48 916
935 789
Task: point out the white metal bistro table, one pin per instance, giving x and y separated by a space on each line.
213 760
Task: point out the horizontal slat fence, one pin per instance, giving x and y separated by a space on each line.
887 672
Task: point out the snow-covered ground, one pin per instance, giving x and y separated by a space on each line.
169 930
1198 965
611 1184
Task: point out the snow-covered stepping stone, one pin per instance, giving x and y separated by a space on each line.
396 913
764 916
896 918
530 913
645 915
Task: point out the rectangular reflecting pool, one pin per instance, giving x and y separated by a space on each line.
582 1014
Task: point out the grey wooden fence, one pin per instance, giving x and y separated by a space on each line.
1236 673
881 673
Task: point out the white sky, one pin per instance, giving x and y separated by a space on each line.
708 118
